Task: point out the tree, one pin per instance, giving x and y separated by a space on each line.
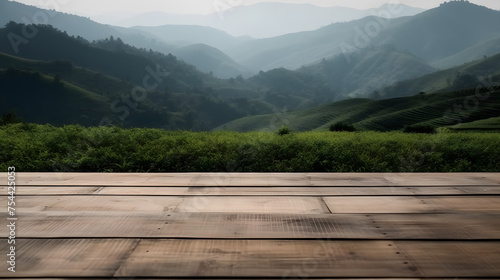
10 118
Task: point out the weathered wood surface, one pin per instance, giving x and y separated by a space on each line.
252 191
254 258
255 179
262 204
248 226
75 224
413 204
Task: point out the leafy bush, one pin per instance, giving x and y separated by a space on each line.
284 130
45 148
9 118
419 128
339 127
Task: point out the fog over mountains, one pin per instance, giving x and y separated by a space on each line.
260 20
221 68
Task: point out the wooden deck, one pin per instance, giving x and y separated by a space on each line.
247 226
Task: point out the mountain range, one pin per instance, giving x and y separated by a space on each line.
268 19
201 78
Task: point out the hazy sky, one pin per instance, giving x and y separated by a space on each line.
98 7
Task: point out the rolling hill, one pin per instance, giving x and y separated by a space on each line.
368 70
478 51
129 64
162 39
491 124
42 99
440 110
184 98
60 93
483 72
211 60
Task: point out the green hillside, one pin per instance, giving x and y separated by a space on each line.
210 60
440 110
46 99
82 87
478 51
90 80
110 57
465 76
368 70
491 124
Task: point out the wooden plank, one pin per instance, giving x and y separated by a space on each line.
405 179
61 190
413 204
265 258
192 225
453 259
257 226
29 204
296 191
251 191
231 204
281 204
68 257
459 226
255 179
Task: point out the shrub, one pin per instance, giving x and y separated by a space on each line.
9 118
420 128
342 127
284 130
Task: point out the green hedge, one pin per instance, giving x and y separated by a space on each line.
44 148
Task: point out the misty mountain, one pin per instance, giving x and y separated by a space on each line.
444 31
368 70
481 73
211 60
184 35
128 64
173 94
433 35
273 19
92 31
74 25
478 51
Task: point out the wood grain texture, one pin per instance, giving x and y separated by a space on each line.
281 204
252 191
257 226
255 179
264 258
68 257
453 259
413 204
